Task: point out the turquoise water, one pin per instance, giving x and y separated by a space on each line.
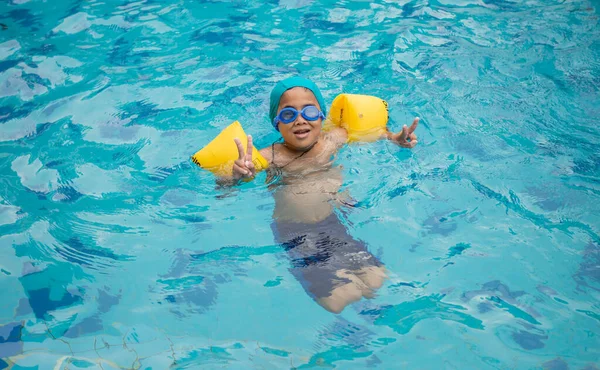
116 251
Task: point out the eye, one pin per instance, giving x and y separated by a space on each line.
311 111
287 114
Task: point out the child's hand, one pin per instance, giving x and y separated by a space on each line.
407 137
243 166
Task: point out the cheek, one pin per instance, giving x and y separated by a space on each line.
285 130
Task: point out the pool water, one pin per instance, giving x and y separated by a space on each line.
116 251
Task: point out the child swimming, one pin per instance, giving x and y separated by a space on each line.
297 110
334 268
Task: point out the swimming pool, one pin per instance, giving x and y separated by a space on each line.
116 251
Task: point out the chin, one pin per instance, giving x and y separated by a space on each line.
303 144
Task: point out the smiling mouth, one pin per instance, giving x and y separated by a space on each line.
301 131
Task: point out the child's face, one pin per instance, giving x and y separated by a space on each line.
300 134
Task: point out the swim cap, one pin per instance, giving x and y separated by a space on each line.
288 83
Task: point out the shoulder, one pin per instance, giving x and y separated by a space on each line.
337 135
267 153
270 151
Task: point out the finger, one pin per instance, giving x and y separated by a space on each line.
408 144
250 166
414 125
240 148
412 136
239 170
239 166
403 134
249 148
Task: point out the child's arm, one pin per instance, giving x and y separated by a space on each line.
407 137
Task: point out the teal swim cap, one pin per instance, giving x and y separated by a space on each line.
288 83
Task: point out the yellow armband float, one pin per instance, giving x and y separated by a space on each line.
218 156
365 117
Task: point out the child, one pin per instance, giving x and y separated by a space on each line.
301 132
333 267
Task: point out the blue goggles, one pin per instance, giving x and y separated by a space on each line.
289 115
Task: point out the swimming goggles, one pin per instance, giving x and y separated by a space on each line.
289 114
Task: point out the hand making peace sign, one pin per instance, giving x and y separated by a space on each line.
243 166
407 133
